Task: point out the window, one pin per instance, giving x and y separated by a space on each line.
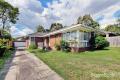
86 36
73 36
83 39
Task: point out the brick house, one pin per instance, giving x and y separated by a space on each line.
36 38
77 36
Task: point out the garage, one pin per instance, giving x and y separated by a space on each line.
20 44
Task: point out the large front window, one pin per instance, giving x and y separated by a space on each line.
77 38
84 39
69 36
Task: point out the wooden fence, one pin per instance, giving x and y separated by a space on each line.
114 41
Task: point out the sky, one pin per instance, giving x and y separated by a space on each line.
45 12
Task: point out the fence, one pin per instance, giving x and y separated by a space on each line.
114 41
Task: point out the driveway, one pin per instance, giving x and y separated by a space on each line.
25 66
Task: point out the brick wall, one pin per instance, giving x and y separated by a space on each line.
55 39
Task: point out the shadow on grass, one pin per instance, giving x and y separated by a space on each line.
99 50
6 67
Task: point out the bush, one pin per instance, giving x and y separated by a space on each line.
2 51
3 46
58 47
32 46
65 46
8 47
101 42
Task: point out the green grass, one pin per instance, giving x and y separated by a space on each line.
4 58
89 65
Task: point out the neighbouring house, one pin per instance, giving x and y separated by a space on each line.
77 36
113 39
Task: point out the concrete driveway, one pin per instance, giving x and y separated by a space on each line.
25 66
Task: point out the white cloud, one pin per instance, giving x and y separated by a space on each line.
66 12
16 31
108 15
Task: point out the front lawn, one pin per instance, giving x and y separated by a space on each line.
89 65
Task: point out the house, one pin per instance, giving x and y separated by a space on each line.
113 38
77 36
36 38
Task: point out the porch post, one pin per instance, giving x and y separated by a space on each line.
49 41
34 40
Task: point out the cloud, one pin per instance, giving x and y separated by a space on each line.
29 17
108 15
16 31
68 11
100 5
32 13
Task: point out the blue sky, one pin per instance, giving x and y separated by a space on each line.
45 2
45 12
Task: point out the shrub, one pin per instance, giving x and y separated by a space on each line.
65 46
32 46
101 42
58 47
3 46
8 47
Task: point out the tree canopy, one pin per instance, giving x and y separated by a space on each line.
87 20
6 34
8 13
55 26
40 29
114 27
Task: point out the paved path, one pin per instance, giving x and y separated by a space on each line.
27 67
